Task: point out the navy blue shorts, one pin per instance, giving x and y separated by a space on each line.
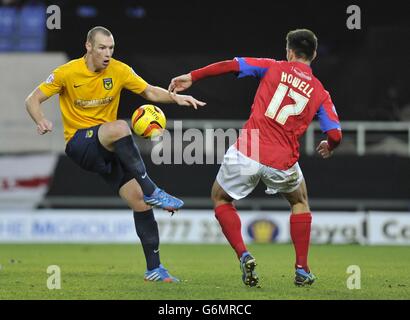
85 149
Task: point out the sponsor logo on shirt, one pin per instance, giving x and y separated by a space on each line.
92 103
301 74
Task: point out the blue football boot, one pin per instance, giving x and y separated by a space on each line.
159 198
247 265
159 274
303 278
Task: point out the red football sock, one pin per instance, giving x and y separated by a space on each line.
300 234
231 226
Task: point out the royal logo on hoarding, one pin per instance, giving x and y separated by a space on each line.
263 230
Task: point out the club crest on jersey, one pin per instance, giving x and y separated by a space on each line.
89 133
108 83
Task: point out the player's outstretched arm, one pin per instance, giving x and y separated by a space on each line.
33 106
157 94
324 150
180 83
184 81
326 147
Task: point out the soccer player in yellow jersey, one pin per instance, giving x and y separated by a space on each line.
89 89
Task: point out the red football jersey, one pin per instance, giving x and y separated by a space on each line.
287 99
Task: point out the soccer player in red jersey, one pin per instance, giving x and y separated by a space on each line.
289 96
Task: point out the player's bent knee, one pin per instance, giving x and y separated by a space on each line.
117 129
121 128
215 193
219 196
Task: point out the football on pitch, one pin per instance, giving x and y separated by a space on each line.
148 121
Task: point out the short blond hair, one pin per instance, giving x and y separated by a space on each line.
91 34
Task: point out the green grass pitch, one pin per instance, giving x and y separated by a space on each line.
208 272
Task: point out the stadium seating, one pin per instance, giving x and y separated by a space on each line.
32 28
8 17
